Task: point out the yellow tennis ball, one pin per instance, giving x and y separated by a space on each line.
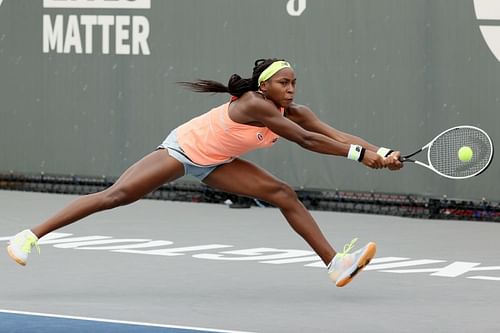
465 153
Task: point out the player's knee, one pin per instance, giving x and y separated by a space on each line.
283 195
115 197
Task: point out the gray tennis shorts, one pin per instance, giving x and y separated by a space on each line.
190 168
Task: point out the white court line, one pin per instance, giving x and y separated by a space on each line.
488 278
119 321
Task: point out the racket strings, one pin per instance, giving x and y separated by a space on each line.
443 153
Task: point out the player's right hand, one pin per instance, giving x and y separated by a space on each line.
393 161
373 160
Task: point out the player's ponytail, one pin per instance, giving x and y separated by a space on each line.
236 85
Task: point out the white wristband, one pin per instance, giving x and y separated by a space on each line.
384 152
356 153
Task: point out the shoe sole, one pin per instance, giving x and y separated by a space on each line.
363 261
16 259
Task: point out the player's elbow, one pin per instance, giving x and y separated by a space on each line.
306 140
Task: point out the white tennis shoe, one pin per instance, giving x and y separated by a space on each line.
344 266
20 246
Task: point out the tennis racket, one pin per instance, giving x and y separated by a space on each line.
442 153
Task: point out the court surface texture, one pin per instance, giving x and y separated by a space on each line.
160 266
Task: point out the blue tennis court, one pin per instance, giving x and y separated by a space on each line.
15 321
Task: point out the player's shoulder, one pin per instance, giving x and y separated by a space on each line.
297 109
255 101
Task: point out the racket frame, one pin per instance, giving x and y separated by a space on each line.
429 166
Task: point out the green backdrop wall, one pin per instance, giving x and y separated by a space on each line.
88 87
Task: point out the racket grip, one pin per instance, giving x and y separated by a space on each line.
407 158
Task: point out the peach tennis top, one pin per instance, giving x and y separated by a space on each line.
213 138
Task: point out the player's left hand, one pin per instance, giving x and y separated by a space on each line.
392 161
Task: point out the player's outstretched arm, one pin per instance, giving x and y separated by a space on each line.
307 119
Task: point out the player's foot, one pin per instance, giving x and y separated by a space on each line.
20 246
345 265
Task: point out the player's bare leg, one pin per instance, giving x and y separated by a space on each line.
244 178
140 179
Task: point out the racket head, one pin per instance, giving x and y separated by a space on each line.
442 153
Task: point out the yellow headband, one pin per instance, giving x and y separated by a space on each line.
272 69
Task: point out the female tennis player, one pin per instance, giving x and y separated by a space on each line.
261 110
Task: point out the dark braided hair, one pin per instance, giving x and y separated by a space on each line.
236 85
